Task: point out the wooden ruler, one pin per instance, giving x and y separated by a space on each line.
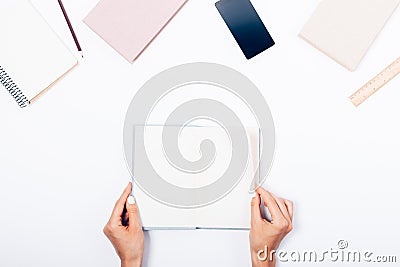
376 83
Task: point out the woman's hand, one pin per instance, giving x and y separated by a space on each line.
124 230
266 236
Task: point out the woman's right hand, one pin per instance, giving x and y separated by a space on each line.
266 236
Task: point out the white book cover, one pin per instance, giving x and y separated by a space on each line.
232 211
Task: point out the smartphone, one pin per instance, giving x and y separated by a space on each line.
246 26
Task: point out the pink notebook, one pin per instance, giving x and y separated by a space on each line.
129 26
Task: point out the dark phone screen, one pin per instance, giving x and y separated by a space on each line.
246 26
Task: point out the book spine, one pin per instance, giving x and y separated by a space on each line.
13 89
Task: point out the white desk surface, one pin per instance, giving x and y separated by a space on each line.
62 166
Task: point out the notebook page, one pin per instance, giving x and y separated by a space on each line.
30 52
156 215
233 211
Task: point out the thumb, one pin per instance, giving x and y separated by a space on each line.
133 213
255 209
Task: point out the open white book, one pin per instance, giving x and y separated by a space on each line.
231 211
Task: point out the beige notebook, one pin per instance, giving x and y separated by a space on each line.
32 57
345 29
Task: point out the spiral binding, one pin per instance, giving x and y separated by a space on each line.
13 89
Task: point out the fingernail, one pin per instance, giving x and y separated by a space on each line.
131 200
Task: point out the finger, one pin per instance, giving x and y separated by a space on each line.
290 208
119 206
282 207
133 214
271 204
125 217
255 209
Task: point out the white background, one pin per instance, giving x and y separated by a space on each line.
62 166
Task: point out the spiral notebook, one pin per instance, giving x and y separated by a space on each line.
231 211
32 57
